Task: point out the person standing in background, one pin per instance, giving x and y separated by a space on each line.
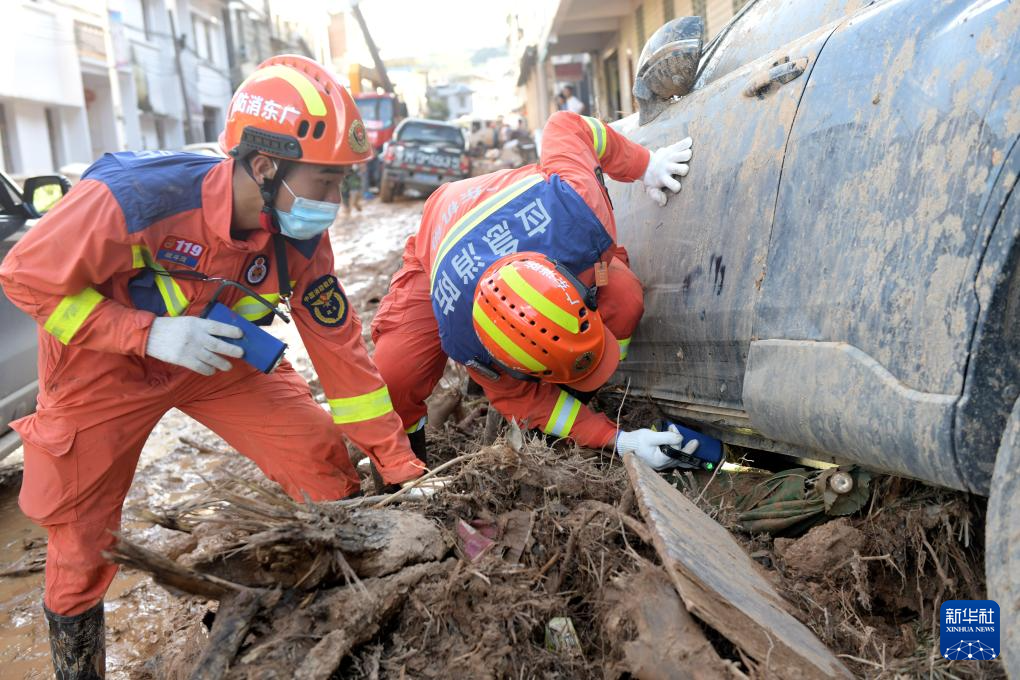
572 103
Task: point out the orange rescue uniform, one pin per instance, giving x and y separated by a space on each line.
90 274
576 150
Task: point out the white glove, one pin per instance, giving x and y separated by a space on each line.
645 445
192 342
663 164
424 490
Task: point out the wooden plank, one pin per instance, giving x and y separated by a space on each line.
720 584
659 638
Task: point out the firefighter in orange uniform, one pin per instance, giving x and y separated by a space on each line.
516 275
117 275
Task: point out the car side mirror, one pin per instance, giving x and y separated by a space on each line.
43 192
668 66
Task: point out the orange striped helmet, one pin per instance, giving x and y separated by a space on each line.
292 108
535 318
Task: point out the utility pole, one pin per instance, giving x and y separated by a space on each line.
113 75
189 135
267 8
384 78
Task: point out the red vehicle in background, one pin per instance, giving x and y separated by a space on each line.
381 114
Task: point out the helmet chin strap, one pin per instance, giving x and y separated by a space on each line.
268 189
267 220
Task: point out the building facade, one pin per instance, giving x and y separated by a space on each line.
594 46
85 77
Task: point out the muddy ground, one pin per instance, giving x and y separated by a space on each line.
867 585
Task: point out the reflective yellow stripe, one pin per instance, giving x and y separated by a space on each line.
598 133
508 345
303 85
137 260
173 296
171 293
624 347
473 217
546 307
563 415
71 313
417 426
251 309
364 407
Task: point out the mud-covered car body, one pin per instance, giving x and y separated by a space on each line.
838 277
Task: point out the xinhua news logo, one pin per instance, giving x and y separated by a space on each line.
969 630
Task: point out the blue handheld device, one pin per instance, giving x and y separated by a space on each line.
261 350
707 456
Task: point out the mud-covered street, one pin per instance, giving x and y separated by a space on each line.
367 247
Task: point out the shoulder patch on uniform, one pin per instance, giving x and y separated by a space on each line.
357 137
257 271
325 301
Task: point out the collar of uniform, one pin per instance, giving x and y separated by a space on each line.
218 205
305 246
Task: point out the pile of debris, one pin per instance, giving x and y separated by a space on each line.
467 581
540 561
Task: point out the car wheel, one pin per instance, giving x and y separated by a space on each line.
386 189
1002 542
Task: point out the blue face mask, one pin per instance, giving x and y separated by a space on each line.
307 218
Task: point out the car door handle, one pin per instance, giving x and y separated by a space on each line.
780 73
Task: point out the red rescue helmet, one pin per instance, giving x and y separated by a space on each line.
535 317
292 108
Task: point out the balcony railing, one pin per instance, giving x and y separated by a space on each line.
90 40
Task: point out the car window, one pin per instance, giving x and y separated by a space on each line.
431 134
9 198
762 26
380 109
385 112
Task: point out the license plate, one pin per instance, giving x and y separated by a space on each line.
433 160
426 178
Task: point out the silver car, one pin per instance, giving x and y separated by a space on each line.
18 377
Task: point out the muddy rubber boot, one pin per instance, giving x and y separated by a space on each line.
420 448
381 487
78 644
